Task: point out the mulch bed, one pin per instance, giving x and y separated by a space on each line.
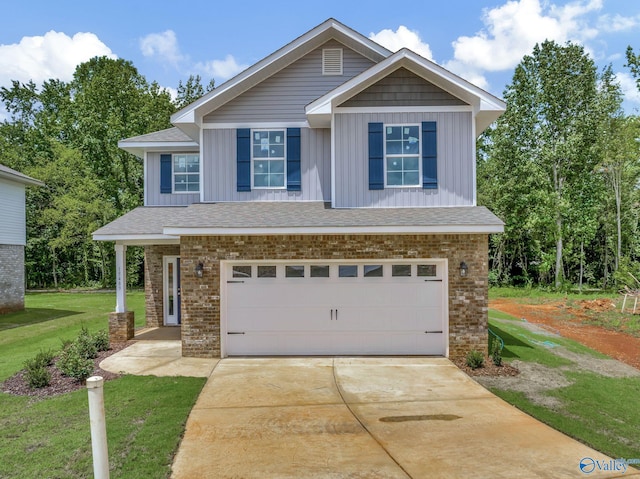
17 385
489 369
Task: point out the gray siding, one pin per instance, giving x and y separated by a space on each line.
456 157
12 213
283 96
403 88
219 151
152 195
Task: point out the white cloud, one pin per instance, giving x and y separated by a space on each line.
617 23
512 30
53 55
220 70
163 46
402 38
629 88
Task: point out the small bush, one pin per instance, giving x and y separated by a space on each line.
85 345
42 359
496 353
72 363
101 340
38 377
475 359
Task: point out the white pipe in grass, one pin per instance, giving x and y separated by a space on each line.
98 428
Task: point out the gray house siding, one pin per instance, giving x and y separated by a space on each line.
403 88
12 213
220 177
456 158
152 195
283 96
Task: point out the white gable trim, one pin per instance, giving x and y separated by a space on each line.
267 125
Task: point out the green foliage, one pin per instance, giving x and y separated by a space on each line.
496 353
73 364
36 373
84 344
475 359
101 340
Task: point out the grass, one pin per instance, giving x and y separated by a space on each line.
50 437
597 410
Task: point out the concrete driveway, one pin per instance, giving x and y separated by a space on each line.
367 418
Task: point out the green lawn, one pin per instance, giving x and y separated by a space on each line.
599 411
51 437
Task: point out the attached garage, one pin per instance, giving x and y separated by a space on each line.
363 307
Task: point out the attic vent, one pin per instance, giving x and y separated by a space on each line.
332 61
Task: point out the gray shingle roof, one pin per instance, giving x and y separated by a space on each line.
227 217
168 135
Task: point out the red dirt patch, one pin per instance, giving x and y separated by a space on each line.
568 323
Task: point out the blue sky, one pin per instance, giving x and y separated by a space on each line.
481 40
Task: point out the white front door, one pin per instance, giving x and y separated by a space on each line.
348 307
171 276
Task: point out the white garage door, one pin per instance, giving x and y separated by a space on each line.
363 307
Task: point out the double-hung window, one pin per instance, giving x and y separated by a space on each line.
268 158
402 155
186 173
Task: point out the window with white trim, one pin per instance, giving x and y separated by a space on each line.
268 158
402 155
186 173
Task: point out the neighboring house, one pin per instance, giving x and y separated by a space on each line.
323 201
13 237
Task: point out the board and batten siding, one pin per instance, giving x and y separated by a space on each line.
456 157
220 172
283 96
152 195
12 214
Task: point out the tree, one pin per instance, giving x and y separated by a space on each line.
191 90
633 63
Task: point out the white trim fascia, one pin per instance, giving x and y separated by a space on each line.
144 182
201 187
256 125
159 145
188 114
405 109
338 230
333 161
20 178
474 161
139 239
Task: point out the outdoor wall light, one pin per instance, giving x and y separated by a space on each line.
199 269
464 269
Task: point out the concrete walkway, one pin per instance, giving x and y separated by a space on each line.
367 418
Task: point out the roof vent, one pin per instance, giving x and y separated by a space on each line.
332 61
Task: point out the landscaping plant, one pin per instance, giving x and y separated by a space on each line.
475 359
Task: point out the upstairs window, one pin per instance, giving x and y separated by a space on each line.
268 158
186 173
402 155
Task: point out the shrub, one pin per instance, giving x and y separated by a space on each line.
85 345
496 353
101 340
72 363
42 359
475 359
38 377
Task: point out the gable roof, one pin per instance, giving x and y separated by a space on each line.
189 117
13 175
486 107
171 139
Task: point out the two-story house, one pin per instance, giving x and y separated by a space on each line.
323 201
13 237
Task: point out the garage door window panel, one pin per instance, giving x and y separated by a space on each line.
348 271
242 271
319 271
373 271
401 270
428 270
294 272
267 271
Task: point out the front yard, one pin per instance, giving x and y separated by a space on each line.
51 437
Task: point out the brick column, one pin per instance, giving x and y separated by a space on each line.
121 326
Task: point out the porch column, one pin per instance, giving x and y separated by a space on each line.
121 278
121 321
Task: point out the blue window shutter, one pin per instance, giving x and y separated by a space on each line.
376 157
429 155
293 159
243 136
165 174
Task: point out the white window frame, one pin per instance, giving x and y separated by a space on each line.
419 154
284 158
174 173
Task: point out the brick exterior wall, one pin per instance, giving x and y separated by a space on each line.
11 278
153 281
201 296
